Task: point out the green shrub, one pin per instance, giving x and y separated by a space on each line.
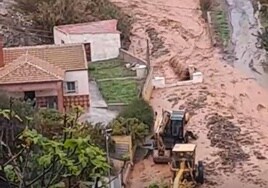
20 107
153 185
131 126
263 39
158 185
140 110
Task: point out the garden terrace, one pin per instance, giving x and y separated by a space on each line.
113 68
116 83
119 91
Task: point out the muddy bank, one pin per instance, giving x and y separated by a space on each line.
248 58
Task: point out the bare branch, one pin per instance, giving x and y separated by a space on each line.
40 176
13 157
14 163
24 169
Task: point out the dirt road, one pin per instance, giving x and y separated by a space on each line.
232 142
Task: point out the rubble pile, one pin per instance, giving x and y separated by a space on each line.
226 136
181 70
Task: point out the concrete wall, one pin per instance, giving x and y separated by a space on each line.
159 82
126 142
103 46
81 78
130 58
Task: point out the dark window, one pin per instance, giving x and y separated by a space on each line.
29 95
88 51
71 87
176 125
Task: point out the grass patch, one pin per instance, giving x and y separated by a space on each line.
221 27
219 20
263 35
119 91
263 13
113 68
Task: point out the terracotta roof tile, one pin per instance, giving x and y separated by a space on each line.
29 69
105 26
65 56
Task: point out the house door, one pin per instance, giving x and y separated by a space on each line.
88 51
29 95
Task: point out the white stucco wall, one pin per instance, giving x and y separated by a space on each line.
59 36
103 46
81 77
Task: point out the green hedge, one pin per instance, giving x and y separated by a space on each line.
140 110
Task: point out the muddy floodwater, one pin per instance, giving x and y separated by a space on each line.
248 58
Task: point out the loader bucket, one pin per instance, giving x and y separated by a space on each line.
161 158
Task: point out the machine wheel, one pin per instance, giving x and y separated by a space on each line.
191 135
200 172
186 138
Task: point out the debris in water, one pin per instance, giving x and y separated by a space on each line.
158 44
226 136
251 66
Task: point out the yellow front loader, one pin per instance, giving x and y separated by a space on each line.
186 174
170 128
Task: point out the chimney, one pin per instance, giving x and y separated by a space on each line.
1 51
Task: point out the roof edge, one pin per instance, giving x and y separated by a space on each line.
86 23
24 82
44 46
60 30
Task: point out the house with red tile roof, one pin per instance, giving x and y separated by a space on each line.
101 39
56 76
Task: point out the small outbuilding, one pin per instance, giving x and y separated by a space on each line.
101 39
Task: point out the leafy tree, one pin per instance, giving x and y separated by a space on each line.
38 161
140 110
263 39
131 126
49 122
19 106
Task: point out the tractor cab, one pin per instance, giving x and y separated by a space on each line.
183 165
174 128
177 123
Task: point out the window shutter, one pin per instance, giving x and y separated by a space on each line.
76 86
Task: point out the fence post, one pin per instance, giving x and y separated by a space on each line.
148 54
210 28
